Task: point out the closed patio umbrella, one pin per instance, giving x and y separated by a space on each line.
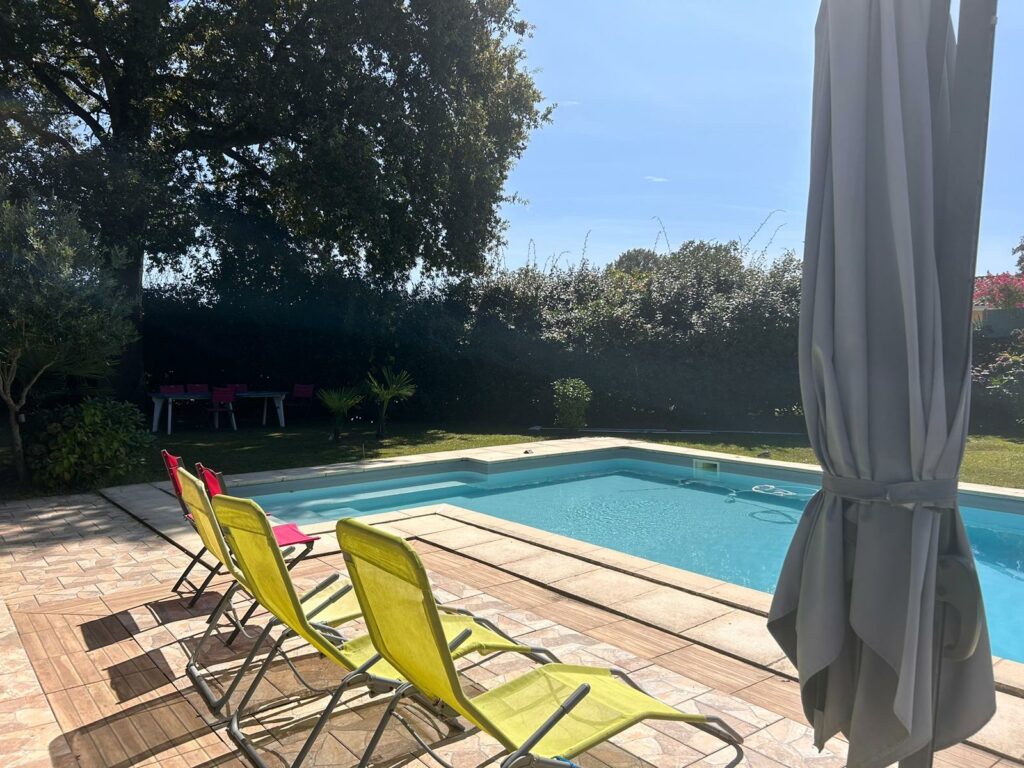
878 603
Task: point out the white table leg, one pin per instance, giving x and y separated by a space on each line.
170 412
158 405
279 405
265 411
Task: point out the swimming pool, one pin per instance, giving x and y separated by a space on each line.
718 519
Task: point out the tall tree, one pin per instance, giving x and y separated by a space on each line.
370 132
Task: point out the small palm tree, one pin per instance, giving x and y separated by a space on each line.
390 386
339 402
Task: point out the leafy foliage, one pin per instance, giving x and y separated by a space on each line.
389 387
60 311
1002 377
572 398
339 402
98 442
378 131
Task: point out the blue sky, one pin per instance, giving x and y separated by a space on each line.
698 112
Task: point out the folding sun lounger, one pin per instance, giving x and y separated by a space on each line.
543 718
337 605
250 540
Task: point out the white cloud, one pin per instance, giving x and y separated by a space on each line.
656 179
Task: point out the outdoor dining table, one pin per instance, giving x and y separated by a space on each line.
159 398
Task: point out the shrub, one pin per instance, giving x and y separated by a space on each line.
339 402
1001 378
572 397
389 387
98 442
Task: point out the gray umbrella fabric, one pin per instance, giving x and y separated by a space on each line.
897 151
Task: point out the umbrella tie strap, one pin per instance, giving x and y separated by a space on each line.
939 493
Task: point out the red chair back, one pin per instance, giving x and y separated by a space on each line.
213 481
302 392
197 389
239 388
171 463
172 389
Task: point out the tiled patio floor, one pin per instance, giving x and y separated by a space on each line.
93 647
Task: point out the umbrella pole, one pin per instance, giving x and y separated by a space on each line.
945 541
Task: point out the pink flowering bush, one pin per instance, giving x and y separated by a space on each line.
1002 291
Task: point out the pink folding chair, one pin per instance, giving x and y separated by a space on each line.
239 388
172 389
302 392
171 463
287 535
197 389
222 400
301 396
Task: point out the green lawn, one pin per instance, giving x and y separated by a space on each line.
989 459
300 445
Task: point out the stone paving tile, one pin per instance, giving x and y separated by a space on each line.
605 586
550 567
713 668
462 537
1005 731
672 609
740 633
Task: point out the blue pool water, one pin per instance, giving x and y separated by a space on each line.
730 526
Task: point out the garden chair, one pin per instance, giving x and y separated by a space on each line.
543 718
301 396
172 389
239 388
197 389
286 535
249 538
222 400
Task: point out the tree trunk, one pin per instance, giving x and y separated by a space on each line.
17 447
131 371
383 418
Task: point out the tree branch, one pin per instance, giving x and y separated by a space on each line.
249 163
108 71
31 383
26 120
64 98
77 82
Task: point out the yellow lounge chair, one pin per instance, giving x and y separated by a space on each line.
336 605
543 718
250 540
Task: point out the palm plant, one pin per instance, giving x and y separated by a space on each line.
339 402
390 386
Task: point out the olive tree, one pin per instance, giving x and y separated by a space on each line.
61 312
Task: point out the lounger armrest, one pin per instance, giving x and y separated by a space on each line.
320 587
462 637
330 600
563 709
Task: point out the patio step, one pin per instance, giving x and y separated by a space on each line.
369 501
